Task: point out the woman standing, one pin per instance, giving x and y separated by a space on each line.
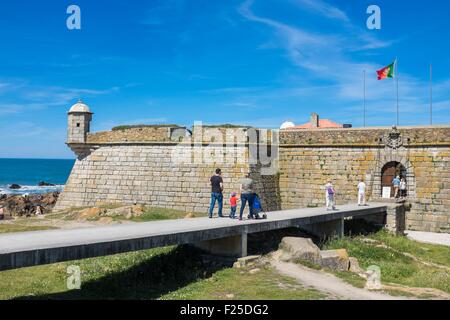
329 196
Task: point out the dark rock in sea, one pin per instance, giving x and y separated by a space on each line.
19 205
45 184
15 186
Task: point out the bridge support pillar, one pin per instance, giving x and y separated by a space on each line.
395 218
234 246
327 229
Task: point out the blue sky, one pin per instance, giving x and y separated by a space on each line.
257 62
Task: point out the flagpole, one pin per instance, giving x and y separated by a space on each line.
431 94
364 98
396 75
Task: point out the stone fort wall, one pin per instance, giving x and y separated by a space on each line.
310 158
157 175
124 167
169 176
306 170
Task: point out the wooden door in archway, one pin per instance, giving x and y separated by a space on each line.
389 172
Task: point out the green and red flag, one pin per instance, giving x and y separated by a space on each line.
387 72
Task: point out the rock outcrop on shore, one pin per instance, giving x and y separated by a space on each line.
25 205
45 184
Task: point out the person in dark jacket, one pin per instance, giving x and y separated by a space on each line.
216 193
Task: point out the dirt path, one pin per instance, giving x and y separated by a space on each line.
328 283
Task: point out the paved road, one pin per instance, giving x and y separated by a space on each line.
430 237
43 247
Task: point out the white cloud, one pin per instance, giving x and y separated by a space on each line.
10 108
233 90
323 8
329 56
300 45
319 53
26 96
3 86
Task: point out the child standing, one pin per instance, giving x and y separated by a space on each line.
233 205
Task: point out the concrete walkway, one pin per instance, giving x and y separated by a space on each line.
429 237
42 247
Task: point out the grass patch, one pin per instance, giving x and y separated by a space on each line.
7 228
226 125
308 264
126 127
428 252
149 214
162 273
241 285
395 267
351 278
400 293
153 213
145 274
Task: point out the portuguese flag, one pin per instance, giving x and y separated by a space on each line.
387 72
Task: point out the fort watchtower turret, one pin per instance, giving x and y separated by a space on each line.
79 117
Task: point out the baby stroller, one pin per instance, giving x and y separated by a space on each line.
257 208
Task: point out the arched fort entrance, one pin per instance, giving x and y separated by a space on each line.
387 168
389 171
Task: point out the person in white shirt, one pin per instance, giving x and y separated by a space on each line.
38 211
361 193
403 188
329 196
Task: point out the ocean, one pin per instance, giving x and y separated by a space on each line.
29 172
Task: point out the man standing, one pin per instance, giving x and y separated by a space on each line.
216 192
329 196
396 184
246 195
361 193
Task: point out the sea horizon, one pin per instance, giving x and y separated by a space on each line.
29 172
28 158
